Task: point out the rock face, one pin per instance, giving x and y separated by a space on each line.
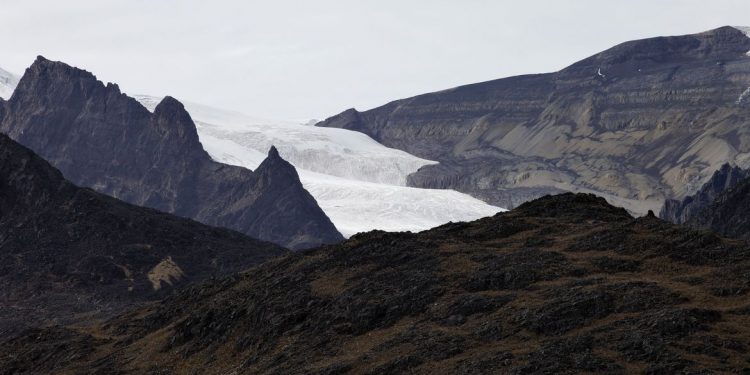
102 139
643 121
562 284
680 212
69 254
722 205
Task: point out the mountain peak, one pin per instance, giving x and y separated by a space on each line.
273 152
274 166
718 44
170 107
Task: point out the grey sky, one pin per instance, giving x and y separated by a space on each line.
312 59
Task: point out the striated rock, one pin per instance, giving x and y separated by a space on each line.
562 284
100 138
639 123
69 254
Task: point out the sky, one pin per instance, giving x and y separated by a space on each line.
298 60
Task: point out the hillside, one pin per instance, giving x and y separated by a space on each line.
561 284
69 254
639 123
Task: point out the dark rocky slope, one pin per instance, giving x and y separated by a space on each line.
563 284
643 121
680 212
726 213
100 138
69 254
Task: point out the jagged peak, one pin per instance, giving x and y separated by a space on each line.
273 152
170 115
277 167
42 64
168 105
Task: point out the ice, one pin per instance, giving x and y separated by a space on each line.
359 183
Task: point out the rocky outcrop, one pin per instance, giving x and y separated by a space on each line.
563 284
724 209
680 212
641 122
100 138
69 254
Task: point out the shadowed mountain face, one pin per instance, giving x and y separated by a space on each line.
722 205
100 138
69 254
562 284
643 121
684 211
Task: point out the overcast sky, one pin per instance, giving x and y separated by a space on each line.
312 59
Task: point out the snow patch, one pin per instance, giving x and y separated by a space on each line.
743 96
8 83
746 30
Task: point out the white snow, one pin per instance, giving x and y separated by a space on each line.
359 183
8 83
746 30
743 96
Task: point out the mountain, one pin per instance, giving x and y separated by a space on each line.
562 284
680 212
69 254
722 205
8 82
359 183
100 138
638 123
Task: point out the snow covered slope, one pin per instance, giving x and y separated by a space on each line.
358 182
744 29
8 83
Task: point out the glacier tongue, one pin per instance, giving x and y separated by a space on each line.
336 152
359 183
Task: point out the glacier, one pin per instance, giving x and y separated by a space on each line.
358 182
8 83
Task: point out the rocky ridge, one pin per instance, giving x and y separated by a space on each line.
100 138
71 255
561 284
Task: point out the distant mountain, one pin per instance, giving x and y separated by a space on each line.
686 210
103 139
69 254
359 183
563 284
638 123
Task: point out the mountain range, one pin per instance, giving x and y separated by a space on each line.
359 183
564 283
639 123
100 138
71 255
